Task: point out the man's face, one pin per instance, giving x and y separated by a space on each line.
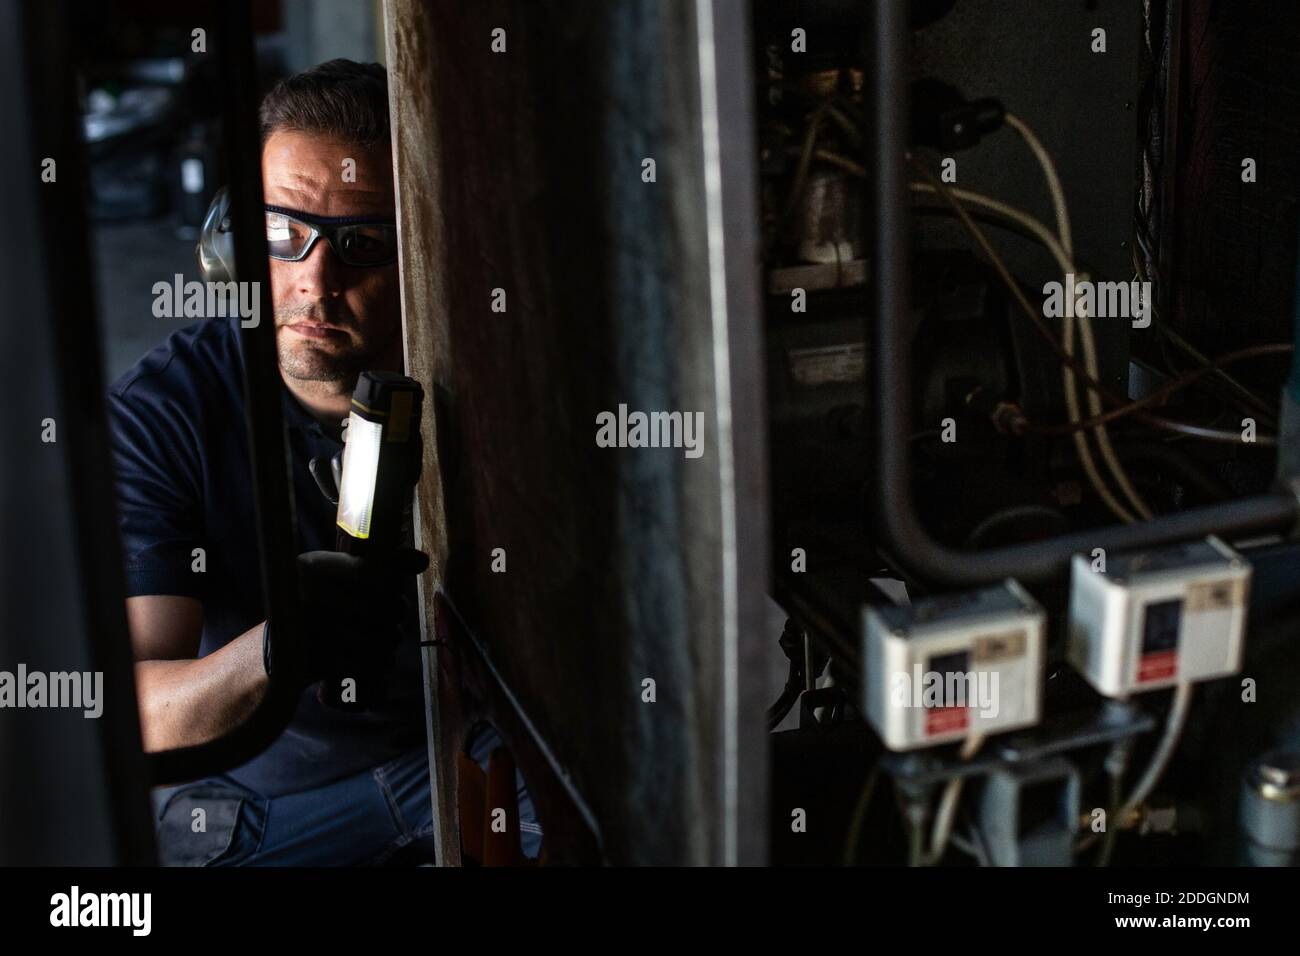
332 320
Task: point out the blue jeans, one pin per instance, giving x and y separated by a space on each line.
361 820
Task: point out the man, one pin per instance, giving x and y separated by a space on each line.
337 786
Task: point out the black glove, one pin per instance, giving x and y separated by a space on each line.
351 611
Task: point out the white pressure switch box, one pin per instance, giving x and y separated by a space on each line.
1157 618
953 665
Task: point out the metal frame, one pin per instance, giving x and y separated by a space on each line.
74 307
268 450
54 288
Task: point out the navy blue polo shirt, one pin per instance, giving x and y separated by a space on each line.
184 481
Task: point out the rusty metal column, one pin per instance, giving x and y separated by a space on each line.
408 48
548 280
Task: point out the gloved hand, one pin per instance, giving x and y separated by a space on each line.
351 609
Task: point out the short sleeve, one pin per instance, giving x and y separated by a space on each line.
160 518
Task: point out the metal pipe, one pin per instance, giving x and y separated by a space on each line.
889 391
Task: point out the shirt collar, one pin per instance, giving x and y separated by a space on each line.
295 416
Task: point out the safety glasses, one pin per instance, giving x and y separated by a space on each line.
357 240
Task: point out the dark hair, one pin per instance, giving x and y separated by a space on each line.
340 99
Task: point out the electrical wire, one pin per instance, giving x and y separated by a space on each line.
1215 434
1073 413
1108 455
1117 469
1027 222
1120 812
806 152
1062 213
1247 400
1177 717
840 160
1059 207
1164 391
1115 764
956 198
947 814
1036 230
1244 394
845 123
971 841
799 180
1114 805
860 816
1096 391
1063 251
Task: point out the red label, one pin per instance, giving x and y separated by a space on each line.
942 720
1158 666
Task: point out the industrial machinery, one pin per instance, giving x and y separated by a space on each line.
1001 453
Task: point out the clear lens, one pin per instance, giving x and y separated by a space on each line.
364 244
286 237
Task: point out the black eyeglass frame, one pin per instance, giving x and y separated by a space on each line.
330 228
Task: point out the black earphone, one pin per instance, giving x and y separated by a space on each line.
216 248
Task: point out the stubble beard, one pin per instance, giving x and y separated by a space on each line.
304 361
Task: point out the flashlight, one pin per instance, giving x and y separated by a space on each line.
381 464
